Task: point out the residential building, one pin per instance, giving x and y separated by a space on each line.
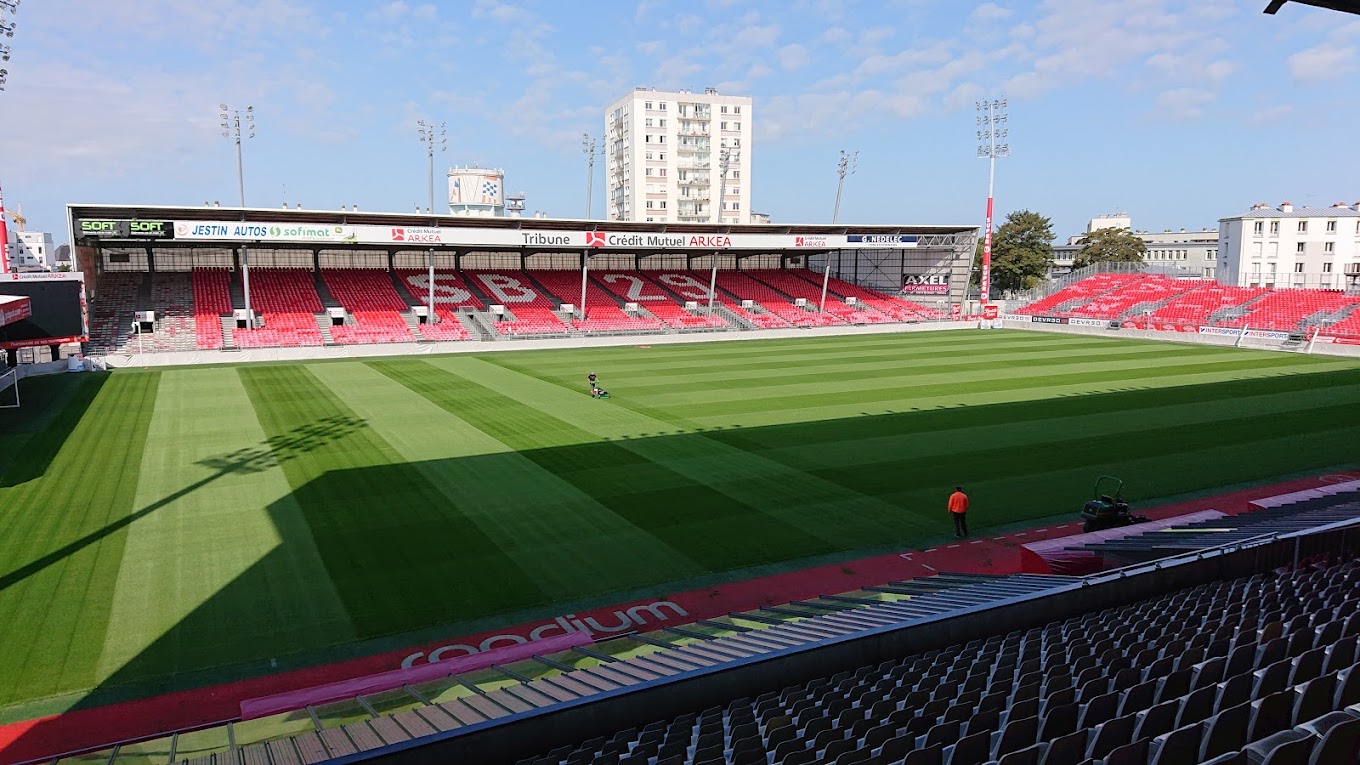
1193 252
665 153
31 251
1288 246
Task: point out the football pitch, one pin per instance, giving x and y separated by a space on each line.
160 529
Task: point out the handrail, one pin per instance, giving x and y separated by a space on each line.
1223 549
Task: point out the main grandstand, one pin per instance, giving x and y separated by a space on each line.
216 279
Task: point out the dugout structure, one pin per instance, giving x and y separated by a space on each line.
931 261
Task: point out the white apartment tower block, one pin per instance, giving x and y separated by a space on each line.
1288 246
665 155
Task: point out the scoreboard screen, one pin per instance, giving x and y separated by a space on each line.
58 311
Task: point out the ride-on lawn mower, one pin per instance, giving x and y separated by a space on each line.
1108 511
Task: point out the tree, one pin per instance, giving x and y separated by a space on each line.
1022 252
1110 245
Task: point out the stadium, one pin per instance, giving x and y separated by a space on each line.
330 529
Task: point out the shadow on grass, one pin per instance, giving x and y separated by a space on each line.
402 566
34 434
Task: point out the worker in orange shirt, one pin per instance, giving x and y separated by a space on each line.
958 510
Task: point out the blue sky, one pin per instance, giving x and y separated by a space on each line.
1178 111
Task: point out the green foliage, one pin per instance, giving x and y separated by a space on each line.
1110 245
1022 252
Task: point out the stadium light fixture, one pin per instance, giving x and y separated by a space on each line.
725 156
847 165
7 28
431 138
589 149
992 135
237 125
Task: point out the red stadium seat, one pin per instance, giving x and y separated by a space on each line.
602 309
638 287
368 295
286 300
212 301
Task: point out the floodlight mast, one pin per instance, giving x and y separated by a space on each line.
847 165
430 138
7 28
235 125
992 135
725 156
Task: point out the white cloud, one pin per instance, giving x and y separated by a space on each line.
1184 103
793 57
498 11
988 12
834 35
757 36
1271 114
1321 63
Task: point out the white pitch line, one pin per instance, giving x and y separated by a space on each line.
932 568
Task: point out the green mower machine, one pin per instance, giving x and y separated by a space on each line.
1108 510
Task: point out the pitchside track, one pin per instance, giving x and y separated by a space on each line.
214 522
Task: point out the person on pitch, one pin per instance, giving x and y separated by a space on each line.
595 390
958 510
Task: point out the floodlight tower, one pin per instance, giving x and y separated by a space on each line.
7 28
432 139
725 156
234 124
847 165
588 148
992 133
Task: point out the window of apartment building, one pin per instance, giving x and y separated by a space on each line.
650 219
647 139
661 122
648 105
1326 268
649 155
661 139
661 106
661 171
648 122
722 125
724 110
661 156
736 110
736 126
1256 250
1298 268
735 190
1274 249
736 174
1274 227
1258 228
647 171
1299 248
1331 227
1303 227
736 143
663 204
649 204
1329 246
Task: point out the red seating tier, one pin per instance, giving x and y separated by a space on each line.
286 300
1285 310
1196 306
690 286
448 328
746 288
533 311
212 301
789 284
637 287
602 309
450 288
898 308
1087 288
1147 289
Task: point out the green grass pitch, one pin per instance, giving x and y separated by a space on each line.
167 528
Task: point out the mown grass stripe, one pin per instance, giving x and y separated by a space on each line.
698 521
399 553
63 535
223 507
794 497
565 534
